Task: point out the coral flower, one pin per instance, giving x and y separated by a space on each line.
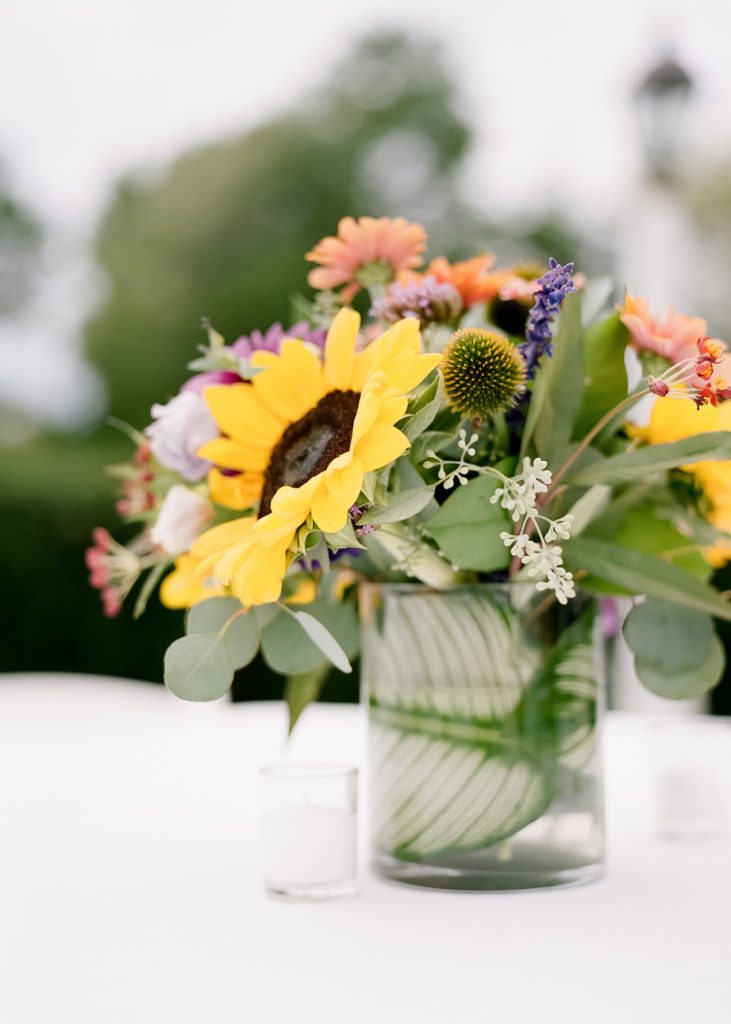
673 337
302 435
471 277
368 251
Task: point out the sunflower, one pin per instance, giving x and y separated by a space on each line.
302 435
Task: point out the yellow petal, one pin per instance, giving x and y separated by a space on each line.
234 455
239 412
381 445
258 577
237 492
293 384
340 350
183 587
219 538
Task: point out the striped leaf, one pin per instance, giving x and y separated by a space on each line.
471 723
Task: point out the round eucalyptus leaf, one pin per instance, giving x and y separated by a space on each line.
212 615
668 638
242 640
286 647
198 667
688 683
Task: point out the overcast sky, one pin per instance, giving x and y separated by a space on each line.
93 89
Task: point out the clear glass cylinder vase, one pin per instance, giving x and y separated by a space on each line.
485 707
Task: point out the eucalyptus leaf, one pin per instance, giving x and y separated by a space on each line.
467 527
402 506
287 647
211 615
238 630
639 573
637 464
692 682
302 690
197 667
669 638
323 639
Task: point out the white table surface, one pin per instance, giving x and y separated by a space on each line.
130 888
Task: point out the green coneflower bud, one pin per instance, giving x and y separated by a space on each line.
483 372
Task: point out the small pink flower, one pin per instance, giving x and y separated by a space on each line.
113 570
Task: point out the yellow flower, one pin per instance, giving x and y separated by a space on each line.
185 586
302 435
675 420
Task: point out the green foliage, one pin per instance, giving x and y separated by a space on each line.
403 505
657 458
677 654
605 376
558 388
559 385
301 690
424 408
197 667
292 645
467 527
238 629
639 573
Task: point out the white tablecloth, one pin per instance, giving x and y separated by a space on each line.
130 888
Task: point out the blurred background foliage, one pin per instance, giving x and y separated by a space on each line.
222 234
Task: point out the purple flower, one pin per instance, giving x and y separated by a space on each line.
553 288
271 340
179 429
427 300
205 380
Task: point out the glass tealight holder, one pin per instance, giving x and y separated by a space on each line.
691 777
309 830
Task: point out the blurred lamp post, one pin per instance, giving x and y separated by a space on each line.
662 101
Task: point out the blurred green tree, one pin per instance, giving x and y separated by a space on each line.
224 232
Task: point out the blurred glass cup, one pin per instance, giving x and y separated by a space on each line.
691 777
309 830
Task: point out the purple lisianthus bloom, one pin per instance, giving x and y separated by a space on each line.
205 380
177 432
271 340
429 301
553 288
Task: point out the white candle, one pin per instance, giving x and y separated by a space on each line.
308 846
309 830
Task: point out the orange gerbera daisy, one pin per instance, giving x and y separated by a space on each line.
470 277
367 251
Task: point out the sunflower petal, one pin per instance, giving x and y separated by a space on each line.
235 455
340 350
237 492
381 445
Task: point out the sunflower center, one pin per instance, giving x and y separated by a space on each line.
308 446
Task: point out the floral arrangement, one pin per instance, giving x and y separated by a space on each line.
469 424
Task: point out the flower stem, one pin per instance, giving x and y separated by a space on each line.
586 441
